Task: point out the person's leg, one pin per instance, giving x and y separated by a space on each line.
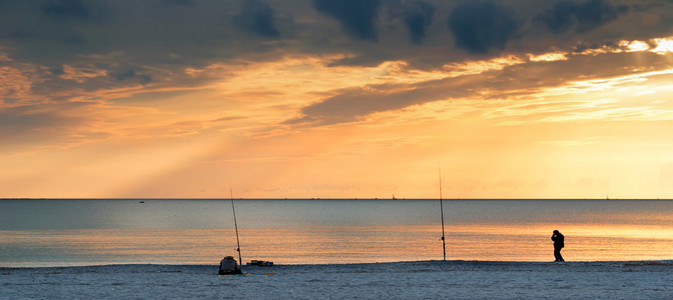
557 254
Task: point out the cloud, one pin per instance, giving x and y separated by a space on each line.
258 17
479 26
161 39
350 105
43 124
568 15
419 16
521 79
179 2
57 70
357 17
131 74
66 9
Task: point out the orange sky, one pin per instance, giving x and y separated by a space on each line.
278 116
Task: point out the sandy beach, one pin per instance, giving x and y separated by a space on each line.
400 280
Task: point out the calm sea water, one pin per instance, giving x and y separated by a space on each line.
93 231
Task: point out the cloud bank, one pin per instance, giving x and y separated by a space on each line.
66 50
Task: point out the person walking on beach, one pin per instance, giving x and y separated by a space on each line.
557 237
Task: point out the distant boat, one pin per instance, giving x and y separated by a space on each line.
394 197
141 201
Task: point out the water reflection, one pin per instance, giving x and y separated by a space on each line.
299 232
300 245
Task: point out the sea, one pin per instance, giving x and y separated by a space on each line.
79 232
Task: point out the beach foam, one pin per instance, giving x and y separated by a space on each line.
400 280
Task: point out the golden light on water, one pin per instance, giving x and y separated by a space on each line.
323 245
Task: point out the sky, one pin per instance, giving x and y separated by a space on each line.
336 99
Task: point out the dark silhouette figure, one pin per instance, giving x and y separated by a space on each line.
557 237
228 266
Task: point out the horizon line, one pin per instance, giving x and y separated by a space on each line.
309 198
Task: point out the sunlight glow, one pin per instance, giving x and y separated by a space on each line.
664 45
481 66
555 56
636 46
605 83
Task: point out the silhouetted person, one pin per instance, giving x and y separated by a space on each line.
557 237
228 266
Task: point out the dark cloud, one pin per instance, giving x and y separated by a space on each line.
479 26
19 34
418 18
179 2
74 39
66 9
581 47
131 74
566 15
353 104
258 17
357 17
57 70
160 39
559 17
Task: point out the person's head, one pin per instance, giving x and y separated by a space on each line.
556 232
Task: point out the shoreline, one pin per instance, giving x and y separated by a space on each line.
395 280
662 262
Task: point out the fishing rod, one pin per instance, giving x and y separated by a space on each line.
441 206
238 244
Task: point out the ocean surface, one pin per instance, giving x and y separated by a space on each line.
73 232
